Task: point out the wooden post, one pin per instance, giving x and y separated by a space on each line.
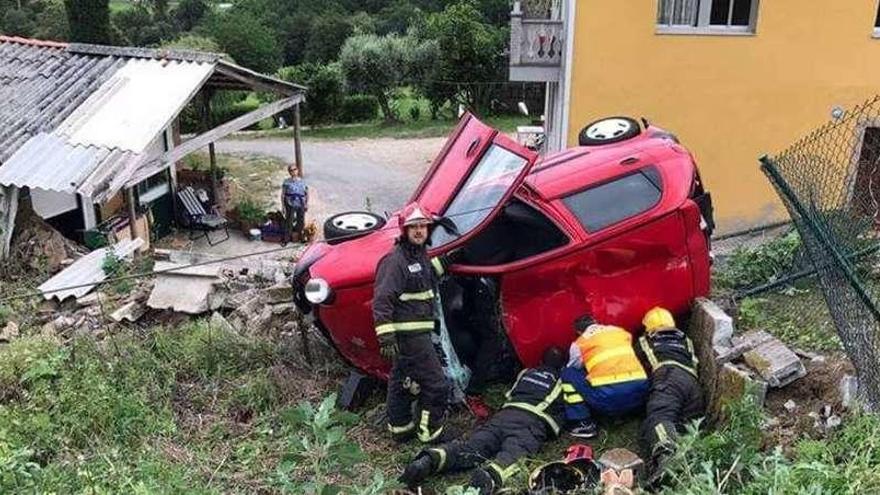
206 126
297 141
132 212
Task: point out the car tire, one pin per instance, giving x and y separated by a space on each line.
609 130
350 225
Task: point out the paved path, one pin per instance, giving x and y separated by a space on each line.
343 174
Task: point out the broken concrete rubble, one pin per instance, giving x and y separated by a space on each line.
734 382
775 362
9 332
849 391
131 312
221 323
620 459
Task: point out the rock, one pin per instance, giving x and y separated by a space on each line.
751 340
50 332
775 362
790 405
280 277
735 383
833 421
771 422
279 293
849 391
280 309
89 299
132 312
620 459
221 323
710 314
9 332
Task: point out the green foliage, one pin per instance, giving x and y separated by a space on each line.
752 266
326 90
193 42
189 13
377 65
116 267
327 34
798 315
89 20
139 26
358 108
250 212
415 113
5 313
470 49
320 447
247 40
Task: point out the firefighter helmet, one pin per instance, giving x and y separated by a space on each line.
658 319
413 214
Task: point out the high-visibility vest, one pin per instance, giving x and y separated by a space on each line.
609 357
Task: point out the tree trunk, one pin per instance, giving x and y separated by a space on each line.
386 107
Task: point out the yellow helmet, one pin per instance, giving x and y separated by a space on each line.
658 319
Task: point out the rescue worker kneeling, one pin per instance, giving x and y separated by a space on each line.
675 397
603 375
528 419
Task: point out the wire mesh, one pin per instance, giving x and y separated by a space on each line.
829 181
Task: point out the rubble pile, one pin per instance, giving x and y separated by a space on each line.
38 246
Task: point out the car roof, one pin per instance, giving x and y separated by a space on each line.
575 169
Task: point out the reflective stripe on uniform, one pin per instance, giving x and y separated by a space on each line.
401 429
537 412
442 455
606 355
438 266
404 326
618 378
657 364
425 434
509 393
417 296
567 387
660 431
574 398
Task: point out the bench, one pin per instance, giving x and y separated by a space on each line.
198 220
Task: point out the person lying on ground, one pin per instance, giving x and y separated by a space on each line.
675 397
603 376
525 422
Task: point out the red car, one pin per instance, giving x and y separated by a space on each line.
608 229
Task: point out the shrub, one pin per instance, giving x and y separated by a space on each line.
415 113
325 95
751 266
358 108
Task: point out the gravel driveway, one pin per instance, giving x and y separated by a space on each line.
343 174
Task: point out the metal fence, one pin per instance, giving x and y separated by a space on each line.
829 181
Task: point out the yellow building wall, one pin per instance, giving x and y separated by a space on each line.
731 98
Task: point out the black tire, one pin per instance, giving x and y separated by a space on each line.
335 231
614 137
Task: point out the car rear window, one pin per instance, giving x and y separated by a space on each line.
615 201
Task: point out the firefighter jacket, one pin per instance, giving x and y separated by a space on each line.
607 355
670 347
537 390
403 298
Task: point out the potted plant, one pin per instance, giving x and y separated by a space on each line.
250 215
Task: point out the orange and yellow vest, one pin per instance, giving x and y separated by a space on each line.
609 357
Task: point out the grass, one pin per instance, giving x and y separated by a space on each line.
257 177
407 129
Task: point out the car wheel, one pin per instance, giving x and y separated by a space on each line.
351 224
609 130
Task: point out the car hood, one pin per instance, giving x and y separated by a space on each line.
351 263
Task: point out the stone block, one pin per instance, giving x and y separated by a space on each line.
132 311
775 363
279 294
849 391
710 314
620 459
733 384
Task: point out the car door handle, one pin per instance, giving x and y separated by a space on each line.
473 147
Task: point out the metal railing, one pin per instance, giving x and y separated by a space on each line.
536 34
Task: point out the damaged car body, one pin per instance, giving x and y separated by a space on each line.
607 229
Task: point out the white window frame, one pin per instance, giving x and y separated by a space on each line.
703 27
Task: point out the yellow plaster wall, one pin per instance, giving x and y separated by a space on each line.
730 99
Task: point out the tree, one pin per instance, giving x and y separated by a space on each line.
470 51
326 90
51 22
137 26
247 40
189 13
194 42
378 65
89 20
17 22
327 34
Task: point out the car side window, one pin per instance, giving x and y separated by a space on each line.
615 201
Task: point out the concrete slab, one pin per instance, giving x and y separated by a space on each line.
132 312
734 383
181 293
775 363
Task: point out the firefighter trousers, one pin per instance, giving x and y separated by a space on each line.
417 374
675 398
508 436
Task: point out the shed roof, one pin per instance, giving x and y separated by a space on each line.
83 118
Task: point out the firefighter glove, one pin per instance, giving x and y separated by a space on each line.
388 346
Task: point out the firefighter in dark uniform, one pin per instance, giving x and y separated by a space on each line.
403 310
529 418
675 397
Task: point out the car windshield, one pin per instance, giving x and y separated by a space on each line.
481 193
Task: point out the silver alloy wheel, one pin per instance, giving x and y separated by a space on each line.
608 129
355 222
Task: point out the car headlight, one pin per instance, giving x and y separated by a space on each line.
317 290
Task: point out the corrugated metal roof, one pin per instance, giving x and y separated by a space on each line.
132 107
86 270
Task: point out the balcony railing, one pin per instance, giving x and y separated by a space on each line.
536 41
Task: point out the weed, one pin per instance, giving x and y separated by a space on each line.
5 313
116 267
752 266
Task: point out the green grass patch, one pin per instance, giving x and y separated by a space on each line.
797 315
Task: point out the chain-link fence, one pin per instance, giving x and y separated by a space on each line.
818 273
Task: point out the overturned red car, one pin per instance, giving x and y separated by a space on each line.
609 229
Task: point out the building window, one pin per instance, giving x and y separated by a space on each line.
615 201
877 23
707 16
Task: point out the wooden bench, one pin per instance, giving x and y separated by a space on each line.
198 220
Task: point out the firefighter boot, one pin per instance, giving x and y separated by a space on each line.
417 470
484 481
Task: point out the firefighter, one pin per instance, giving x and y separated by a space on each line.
403 310
675 397
603 375
529 418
